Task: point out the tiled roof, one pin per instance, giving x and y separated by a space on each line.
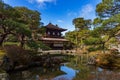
55 27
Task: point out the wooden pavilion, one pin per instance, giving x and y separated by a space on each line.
53 37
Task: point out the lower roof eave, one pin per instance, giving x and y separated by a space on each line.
54 39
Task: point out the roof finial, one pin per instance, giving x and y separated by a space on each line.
56 25
50 22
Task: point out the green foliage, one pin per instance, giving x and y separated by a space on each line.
43 46
21 22
35 45
108 8
83 74
94 48
32 44
81 23
97 22
109 12
29 17
71 36
10 23
81 33
92 41
106 26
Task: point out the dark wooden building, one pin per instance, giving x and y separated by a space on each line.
53 37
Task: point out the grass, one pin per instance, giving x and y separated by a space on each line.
2 53
16 43
11 43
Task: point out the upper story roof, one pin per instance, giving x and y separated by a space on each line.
54 27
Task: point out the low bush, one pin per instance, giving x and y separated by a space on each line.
109 60
17 54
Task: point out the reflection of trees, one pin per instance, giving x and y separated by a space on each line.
108 75
33 74
83 73
87 72
93 73
83 70
16 76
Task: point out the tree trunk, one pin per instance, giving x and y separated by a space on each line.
103 46
2 39
22 42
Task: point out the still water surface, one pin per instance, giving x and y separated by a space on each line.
65 73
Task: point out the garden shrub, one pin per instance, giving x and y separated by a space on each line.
18 55
109 60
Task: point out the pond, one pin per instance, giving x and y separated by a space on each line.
64 72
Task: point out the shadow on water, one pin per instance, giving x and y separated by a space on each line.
59 73
70 71
64 73
36 74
